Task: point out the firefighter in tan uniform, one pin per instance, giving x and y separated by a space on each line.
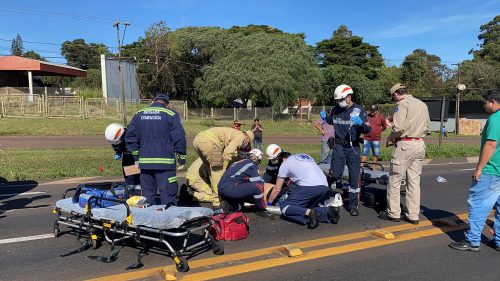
410 123
217 147
198 180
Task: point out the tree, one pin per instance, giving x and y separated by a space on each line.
82 55
16 48
33 55
343 48
490 37
424 73
271 68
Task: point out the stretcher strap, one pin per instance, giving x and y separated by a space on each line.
140 255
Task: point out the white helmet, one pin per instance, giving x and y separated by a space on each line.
342 91
272 151
256 153
114 133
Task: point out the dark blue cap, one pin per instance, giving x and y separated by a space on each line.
162 97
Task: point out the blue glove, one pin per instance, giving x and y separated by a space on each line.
117 156
269 204
356 120
181 161
322 114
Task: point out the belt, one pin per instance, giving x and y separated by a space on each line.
346 142
411 139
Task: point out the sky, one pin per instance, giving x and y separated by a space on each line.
446 28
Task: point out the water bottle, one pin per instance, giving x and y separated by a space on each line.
355 112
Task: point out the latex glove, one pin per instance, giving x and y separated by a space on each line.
322 114
117 156
136 164
180 167
356 120
181 162
269 204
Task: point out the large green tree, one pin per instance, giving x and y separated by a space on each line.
82 55
490 41
16 48
270 67
424 73
33 55
344 48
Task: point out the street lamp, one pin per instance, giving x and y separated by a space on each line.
460 91
120 67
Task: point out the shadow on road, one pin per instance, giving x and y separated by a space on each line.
433 214
15 188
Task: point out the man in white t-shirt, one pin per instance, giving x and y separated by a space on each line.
309 188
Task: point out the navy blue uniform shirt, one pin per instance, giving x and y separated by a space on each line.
155 137
340 118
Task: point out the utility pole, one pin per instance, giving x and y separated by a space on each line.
120 67
457 101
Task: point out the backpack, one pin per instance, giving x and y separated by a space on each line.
230 227
106 190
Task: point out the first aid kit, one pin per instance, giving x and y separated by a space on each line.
230 227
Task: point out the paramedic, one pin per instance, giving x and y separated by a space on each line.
115 134
349 121
242 183
273 153
309 188
156 138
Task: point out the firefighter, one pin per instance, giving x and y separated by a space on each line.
157 139
241 183
197 187
349 121
115 134
309 188
273 152
217 147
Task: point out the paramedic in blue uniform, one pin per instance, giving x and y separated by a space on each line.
156 139
241 183
309 188
350 121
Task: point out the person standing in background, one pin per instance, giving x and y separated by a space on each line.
371 141
257 130
327 131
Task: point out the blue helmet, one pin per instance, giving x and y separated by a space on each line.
163 97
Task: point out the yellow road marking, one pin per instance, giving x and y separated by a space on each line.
267 251
337 250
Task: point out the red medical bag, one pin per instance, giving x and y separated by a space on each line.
230 227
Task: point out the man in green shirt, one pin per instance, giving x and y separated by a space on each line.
485 190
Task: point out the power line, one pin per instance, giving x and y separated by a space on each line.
30 11
51 43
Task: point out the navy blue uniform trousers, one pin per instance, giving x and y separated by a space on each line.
301 198
165 181
235 193
343 154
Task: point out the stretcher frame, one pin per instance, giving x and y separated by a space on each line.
96 230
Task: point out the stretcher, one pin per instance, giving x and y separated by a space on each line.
180 231
369 176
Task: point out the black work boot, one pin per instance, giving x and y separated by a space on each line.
333 214
385 216
313 219
464 245
354 212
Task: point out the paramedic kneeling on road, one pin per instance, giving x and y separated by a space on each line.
242 183
309 188
349 121
154 136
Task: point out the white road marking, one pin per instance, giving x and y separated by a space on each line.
23 194
26 238
25 208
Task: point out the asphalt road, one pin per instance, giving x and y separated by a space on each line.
25 210
93 141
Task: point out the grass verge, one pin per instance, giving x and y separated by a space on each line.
48 164
94 127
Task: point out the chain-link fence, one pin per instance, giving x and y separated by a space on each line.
22 106
102 108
